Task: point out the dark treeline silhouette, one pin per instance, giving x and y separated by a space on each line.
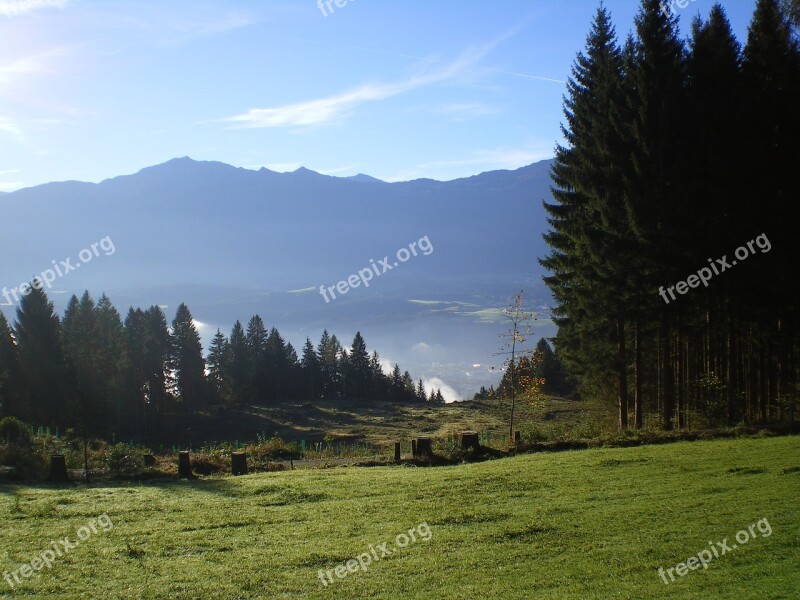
679 153
92 372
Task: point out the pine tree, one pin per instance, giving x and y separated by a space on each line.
550 370
358 368
397 384
278 367
43 367
257 337
111 361
240 368
587 220
420 392
311 372
189 364
9 373
136 376
329 351
218 364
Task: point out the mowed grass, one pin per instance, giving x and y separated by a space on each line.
584 524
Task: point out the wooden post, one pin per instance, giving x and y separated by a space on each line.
397 452
58 469
239 463
184 467
424 446
414 448
469 439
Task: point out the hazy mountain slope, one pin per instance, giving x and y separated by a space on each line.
231 242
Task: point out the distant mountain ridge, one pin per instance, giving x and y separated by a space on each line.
297 228
231 242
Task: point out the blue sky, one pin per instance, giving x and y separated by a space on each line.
396 89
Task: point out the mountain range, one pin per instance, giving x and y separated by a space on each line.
232 242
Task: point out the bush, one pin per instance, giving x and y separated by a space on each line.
27 463
14 431
124 459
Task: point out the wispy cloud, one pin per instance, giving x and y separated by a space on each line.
32 63
526 76
338 170
464 111
12 129
16 8
278 167
328 109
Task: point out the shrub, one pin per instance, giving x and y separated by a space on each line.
27 463
124 459
14 431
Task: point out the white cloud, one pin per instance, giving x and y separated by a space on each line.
33 63
13 130
338 170
10 186
281 167
16 8
328 109
435 383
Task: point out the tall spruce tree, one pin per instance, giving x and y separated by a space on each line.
588 230
188 362
43 366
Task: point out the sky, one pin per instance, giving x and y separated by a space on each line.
396 89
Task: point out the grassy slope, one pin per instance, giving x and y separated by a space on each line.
375 422
585 524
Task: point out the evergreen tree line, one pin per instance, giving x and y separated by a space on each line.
679 151
103 376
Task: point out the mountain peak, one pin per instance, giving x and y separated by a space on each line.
364 178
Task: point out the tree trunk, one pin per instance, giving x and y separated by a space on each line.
667 380
622 376
637 375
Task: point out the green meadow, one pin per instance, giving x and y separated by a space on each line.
594 523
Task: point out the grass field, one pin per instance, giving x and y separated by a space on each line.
593 523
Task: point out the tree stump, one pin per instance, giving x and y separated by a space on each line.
424 446
414 448
239 463
184 467
397 452
58 469
469 439
149 460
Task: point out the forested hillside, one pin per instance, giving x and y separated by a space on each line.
672 234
